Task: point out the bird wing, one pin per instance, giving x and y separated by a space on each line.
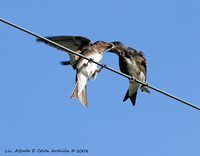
72 42
142 65
140 59
75 43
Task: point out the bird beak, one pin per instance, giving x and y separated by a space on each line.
110 46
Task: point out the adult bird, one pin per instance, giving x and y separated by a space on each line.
133 63
84 69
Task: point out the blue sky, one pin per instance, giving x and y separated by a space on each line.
36 111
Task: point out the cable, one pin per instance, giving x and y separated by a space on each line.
102 65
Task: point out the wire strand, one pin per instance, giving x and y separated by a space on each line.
102 65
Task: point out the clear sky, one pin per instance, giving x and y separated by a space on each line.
36 111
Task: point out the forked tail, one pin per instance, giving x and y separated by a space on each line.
132 97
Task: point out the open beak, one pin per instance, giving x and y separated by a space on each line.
110 46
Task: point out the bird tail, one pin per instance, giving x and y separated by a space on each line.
82 96
132 97
75 91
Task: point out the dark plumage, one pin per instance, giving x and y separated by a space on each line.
131 62
75 43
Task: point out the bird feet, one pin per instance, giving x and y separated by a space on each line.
144 88
133 79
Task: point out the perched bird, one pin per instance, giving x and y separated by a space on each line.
131 62
75 43
84 69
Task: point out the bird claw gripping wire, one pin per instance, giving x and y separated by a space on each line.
145 88
132 79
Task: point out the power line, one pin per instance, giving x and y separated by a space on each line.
100 64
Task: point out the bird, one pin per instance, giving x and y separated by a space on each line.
85 69
133 63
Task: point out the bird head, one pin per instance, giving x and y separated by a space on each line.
102 46
117 48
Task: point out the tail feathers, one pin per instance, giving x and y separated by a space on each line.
75 91
126 96
132 97
82 96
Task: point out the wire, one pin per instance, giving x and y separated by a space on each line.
102 65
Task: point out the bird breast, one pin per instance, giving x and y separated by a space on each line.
91 67
134 70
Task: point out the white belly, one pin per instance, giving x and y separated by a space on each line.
86 72
91 67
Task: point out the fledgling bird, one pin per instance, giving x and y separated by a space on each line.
87 69
84 69
131 62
